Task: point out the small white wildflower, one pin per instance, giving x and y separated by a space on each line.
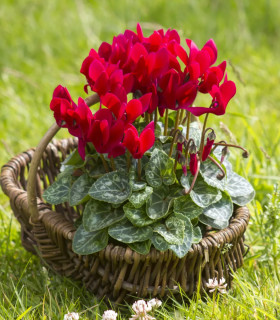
141 309
213 285
155 303
109 315
71 316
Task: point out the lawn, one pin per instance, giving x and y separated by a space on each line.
43 44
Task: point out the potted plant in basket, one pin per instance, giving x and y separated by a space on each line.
144 173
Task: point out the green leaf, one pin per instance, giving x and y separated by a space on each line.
141 247
137 216
209 172
99 215
240 190
138 199
121 163
202 194
172 231
217 224
79 190
159 242
197 235
221 210
74 159
58 192
125 232
160 169
182 249
194 133
113 187
134 183
164 139
159 203
185 208
85 242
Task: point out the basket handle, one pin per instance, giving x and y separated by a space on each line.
31 184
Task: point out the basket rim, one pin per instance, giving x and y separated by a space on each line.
10 186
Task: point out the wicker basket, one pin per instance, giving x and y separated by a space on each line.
115 272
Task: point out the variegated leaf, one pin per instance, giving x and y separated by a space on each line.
138 199
85 242
159 203
172 231
185 208
126 232
137 216
209 172
159 242
160 169
141 247
133 181
202 194
99 215
240 190
79 190
194 132
74 159
182 249
113 187
197 235
217 224
221 210
58 192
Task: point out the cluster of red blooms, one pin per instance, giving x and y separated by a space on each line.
159 73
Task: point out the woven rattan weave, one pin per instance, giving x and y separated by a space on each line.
115 272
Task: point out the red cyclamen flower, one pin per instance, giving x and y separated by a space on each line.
61 104
106 133
207 149
221 97
193 163
138 145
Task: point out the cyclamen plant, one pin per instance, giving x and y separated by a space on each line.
143 173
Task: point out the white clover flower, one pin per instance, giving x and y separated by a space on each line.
141 309
109 315
71 316
155 303
213 285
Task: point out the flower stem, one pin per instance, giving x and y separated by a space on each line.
156 118
166 123
181 118
128 161
177 120
222 143
188 125
203 136
113 165
223 174
139 169
175 135
194 180
106 167
147 118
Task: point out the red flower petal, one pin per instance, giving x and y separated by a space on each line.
145 100
211 48
133 110
131 141
105 50
95 70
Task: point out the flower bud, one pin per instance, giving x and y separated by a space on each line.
245 154
193 163
224 153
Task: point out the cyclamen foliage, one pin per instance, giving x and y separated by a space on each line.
143 173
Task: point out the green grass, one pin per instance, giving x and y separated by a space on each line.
43 44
